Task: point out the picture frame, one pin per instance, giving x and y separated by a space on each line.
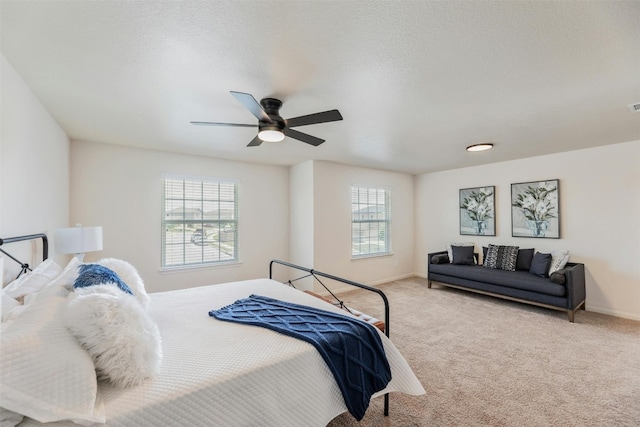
535 209
477 211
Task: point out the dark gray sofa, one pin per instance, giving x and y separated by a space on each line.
519 286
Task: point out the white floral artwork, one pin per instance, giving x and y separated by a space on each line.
535 209
477 211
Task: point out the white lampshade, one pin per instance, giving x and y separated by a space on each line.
78 240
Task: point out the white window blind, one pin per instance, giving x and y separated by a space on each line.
199 221
370 221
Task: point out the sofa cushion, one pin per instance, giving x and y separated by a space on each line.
462 255
513 279
501 257
540 264
523 263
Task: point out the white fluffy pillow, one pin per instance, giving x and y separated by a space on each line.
130 276
45 374
559 259
114 328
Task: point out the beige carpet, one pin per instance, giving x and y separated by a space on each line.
489 362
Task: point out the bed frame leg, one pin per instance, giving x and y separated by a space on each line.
386 405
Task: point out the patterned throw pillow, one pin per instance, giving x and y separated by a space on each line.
559 259
501 257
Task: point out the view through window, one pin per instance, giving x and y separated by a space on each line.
199 221
370 221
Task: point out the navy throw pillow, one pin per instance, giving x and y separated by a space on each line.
540 264
462 255
524 259
95 274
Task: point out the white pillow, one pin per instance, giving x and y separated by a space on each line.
559 259
45 374
8 304
32 281
130 276
450 251
116 330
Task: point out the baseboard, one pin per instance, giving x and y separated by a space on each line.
347 288
391 279
616 313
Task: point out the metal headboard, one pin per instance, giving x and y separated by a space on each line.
23 265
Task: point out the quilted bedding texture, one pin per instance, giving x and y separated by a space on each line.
222 373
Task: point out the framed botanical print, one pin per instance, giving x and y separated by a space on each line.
477 211
535 209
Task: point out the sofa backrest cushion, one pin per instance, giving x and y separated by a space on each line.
524 259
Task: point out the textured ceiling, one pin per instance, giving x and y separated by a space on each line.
415 81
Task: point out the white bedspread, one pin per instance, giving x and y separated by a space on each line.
227 374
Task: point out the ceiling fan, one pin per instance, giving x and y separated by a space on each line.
272 127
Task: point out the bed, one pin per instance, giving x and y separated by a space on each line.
211 372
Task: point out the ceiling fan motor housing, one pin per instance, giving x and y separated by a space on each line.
271 106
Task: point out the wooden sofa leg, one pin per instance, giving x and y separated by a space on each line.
571 314
429 284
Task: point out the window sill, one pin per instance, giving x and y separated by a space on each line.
366 257
184 268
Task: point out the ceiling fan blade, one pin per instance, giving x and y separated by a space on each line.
223 124
252 105
255 142
303 137
311 119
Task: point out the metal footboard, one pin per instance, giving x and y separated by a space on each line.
315 274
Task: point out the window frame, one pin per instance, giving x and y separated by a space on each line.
194 224
386 220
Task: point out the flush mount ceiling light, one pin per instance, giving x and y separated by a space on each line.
480 147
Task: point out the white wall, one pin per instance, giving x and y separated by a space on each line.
120 189
599 205
332 223
301 245
34 169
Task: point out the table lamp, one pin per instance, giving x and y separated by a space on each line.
78 240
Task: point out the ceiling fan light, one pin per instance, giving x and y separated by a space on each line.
270 135
480 147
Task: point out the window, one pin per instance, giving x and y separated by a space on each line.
370 221
199 221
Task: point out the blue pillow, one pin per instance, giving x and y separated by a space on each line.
540 264
94 274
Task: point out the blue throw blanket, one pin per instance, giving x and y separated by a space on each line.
350 347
